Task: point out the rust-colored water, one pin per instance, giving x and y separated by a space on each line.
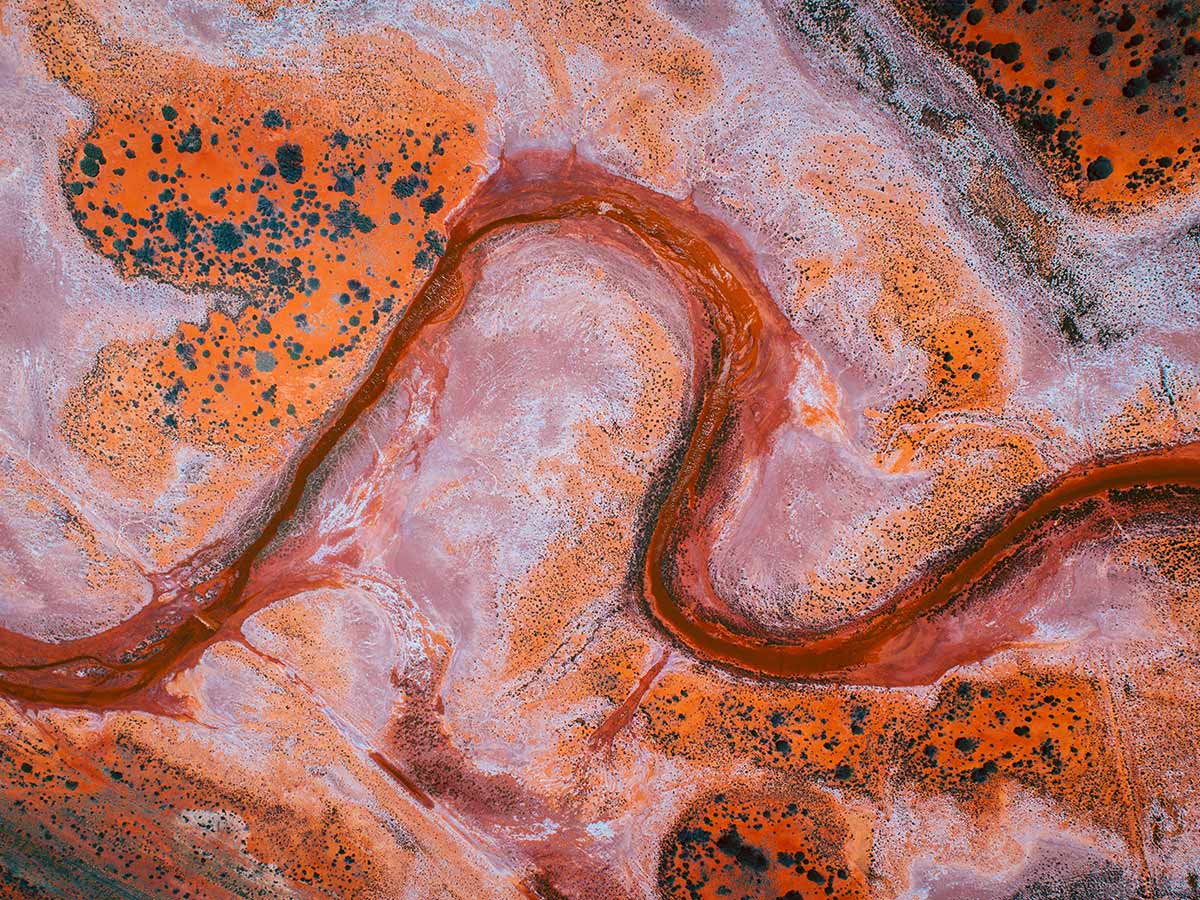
856 653
748 370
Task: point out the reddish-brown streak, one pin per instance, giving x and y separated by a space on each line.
623 714
407 783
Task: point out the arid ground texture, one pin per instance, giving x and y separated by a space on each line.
599 450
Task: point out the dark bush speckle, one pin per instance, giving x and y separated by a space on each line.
746 855
1046 123
226 237
179 224
984 772
1101 43
1099 168
952 9
1009 52
345 177
189 141
290 159
347 219
1162 69
405 187
433 203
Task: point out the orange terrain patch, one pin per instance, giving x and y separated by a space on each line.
1105 93
789 844
320 205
